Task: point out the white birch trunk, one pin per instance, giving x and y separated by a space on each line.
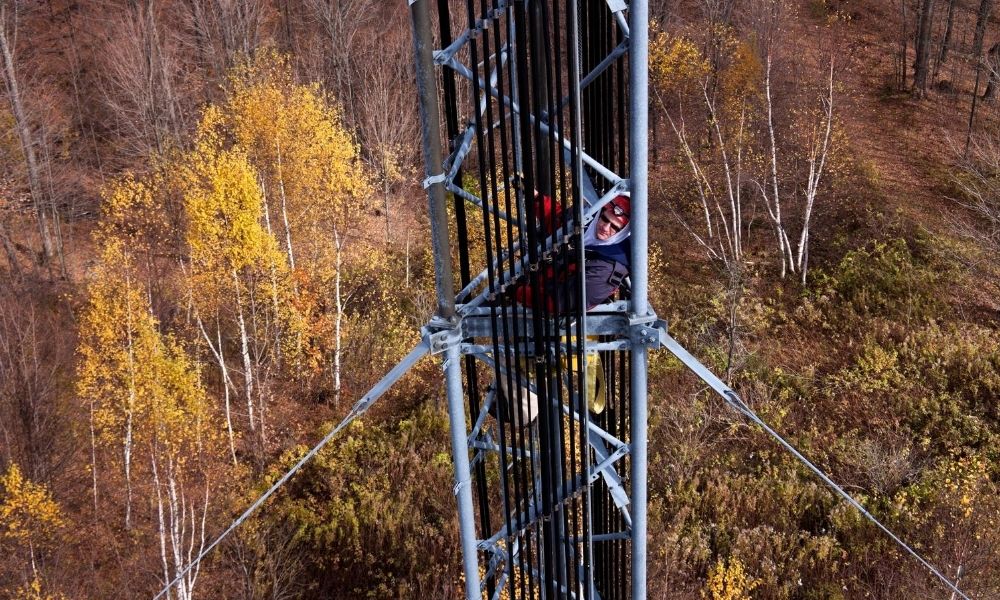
731 227
784 248
226 381
161 520
179 529
274 272
245 350
255 357
129 407
24 135
338 244
817 161
225 387
699 178
715 250
267 209
738 217
177 542
176 523
201 538
284 211
93 455
127 451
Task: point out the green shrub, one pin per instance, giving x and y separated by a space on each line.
372 516
889 280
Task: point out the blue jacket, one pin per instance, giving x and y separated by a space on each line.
620 253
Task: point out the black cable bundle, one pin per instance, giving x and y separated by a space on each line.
528 120
605 107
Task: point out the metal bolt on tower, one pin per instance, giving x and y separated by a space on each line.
544 112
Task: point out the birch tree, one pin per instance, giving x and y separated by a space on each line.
30 522
718 153
180 430
818 150
770 191
817 126
236 269
114 329
25 130
745 142
718 180
294 137
310 175
147 401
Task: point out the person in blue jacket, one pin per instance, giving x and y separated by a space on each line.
607 250
607 257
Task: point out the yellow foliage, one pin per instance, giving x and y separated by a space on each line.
274 177
135 377
132 212
727 580
234 258
35 590
675 63
308 162
28 514
955 485
223 205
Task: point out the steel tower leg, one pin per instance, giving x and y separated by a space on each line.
445 318
423 47
463 480
639 171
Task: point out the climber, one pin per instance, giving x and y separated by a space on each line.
606 255
607 252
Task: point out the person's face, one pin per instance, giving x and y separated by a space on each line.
611 221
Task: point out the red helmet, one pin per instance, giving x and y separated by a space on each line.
622 206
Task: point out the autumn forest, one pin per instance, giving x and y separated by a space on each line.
215 241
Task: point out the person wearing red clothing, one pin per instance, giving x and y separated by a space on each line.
607 252
606 265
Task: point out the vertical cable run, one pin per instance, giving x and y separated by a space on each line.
533 53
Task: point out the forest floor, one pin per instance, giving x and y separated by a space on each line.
909 148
